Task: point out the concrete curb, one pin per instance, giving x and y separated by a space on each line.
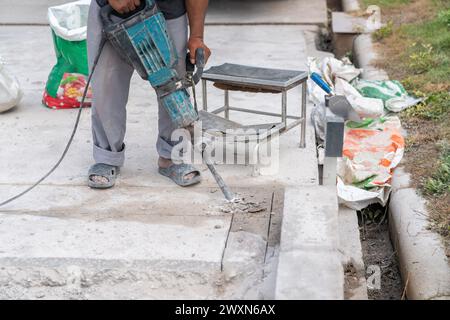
424 265
423 262
350 5
366 56
351 253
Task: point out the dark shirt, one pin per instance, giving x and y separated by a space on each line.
170 8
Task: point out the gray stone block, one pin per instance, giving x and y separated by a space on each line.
314 274
309 218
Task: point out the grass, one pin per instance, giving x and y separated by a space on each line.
439 182
384 32
385 3
435 107
415 48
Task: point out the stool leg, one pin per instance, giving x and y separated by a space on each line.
204 95
303 116
284 108
227 104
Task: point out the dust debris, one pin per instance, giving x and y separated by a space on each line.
241 205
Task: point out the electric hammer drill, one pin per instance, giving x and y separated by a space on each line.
142 40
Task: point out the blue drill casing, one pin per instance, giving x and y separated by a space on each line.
143 41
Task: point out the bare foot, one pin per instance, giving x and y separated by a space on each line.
165 163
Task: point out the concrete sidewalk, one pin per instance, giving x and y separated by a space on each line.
147 238
220 11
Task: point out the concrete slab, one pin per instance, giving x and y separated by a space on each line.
28 236
309 264
310 219
267 12
309 275
106 279
220 11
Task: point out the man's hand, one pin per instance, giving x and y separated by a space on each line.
196 10
124 6
195 43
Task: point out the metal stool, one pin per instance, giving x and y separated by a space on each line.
233 77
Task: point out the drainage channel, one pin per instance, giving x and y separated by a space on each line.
380 258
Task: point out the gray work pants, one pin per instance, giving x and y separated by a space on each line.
110 87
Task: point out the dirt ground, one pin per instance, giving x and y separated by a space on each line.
378 251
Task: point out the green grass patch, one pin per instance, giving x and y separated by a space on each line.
384 32
439 182
385 3
435 107
428 56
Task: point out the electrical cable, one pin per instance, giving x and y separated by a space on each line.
69 143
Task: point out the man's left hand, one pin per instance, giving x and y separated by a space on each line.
195 43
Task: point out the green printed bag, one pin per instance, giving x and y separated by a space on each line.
67 80
392 93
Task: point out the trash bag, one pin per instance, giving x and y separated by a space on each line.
392 93
10 92
67 80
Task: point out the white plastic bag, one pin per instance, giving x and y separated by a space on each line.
68 21
10 92
362 106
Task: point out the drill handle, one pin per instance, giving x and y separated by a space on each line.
106 12
199 64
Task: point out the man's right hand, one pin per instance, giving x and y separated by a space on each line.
124 6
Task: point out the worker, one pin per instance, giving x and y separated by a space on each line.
111 82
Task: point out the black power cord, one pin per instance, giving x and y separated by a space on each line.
69 143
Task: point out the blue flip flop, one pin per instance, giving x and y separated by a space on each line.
103 170
178 172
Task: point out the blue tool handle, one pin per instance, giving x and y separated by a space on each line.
199 63
321 83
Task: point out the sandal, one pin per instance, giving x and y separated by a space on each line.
103 170
178 172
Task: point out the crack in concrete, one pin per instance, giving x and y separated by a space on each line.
269 226
226 242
